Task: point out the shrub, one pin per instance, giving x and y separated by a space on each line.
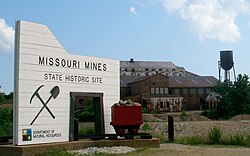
191 140
87 114
146 127
183 116
237 139
211 114
6 122
215 135
144 110
1 98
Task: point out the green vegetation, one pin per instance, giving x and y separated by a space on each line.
234 98
216 137
5 98
183 115
1 98
87 114
6 122
144 110
87 130
146 127
191 140
56 153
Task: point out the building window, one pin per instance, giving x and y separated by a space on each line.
177 90
161 104
153 83
200 90
167 104
152 69
192 90
185 91
156 90
146 69
166 90
152 90
133 70
161 91
165 81
160 69
208 90
125 69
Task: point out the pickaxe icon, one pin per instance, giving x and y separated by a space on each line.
54 93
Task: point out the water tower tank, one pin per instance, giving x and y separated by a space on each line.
226 59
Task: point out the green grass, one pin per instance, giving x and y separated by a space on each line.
87 130
215 137
191 140
60 152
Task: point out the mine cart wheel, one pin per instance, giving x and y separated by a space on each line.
133 130
120 130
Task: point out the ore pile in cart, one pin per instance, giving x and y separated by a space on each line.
126 115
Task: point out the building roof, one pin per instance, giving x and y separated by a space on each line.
125 80
188 73
175 81
192 81
146 64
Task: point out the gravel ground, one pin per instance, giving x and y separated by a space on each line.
107 150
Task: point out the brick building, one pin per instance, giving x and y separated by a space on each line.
168 93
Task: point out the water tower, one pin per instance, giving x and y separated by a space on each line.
226 63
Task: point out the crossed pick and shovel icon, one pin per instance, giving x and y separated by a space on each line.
54 93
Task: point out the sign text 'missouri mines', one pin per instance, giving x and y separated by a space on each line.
67 63
73 64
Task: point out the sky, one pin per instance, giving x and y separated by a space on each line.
189 33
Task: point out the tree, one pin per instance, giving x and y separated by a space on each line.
234 97
1 97
9 96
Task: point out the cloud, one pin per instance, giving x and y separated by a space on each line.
6 37
210 19
132 10
173 5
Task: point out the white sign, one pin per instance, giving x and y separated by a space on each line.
45 75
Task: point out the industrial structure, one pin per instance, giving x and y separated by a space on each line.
162 86
226 63
147 68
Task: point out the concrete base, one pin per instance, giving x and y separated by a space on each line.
29 150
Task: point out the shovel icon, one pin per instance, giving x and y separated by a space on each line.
54 93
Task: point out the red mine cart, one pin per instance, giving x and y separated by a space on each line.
126 117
